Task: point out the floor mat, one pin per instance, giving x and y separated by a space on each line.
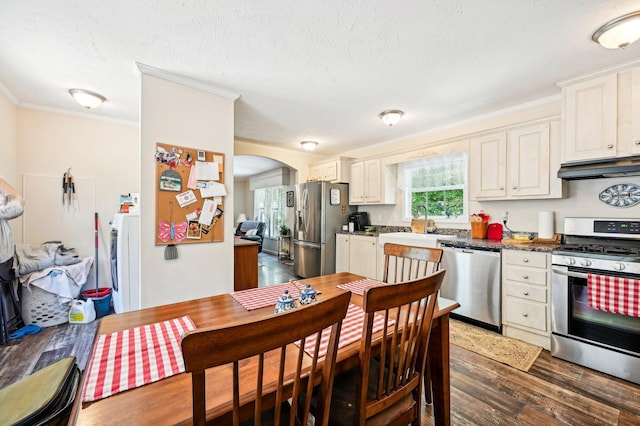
513 352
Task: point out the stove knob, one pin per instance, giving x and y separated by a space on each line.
585 262
569 260
618 266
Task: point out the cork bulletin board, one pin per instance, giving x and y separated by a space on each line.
190 195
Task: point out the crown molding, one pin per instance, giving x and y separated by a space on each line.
180 79
8 94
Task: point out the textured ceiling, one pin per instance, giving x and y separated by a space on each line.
319 70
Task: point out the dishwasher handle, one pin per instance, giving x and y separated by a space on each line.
481 251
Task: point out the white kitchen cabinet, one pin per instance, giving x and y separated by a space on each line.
590 117
601 117
525 296
357 254
333 171
518 163
342 252
487 165
372 182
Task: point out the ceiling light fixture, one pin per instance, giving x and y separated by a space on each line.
619 32
309 145
391 117
86 98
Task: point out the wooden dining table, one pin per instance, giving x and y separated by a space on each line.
168 401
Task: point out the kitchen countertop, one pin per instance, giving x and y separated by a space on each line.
478 243
498 245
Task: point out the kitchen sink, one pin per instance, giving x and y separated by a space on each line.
412 239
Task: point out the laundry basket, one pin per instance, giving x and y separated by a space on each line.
42 308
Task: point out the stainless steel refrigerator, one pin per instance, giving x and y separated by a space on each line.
321 210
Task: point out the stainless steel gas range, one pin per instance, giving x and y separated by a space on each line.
595 293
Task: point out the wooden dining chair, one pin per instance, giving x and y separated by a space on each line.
235 344
403 263
385 388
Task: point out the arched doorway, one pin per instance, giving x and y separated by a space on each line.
257 177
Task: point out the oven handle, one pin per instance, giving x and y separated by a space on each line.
569 274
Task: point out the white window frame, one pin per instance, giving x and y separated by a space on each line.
405 184
268 213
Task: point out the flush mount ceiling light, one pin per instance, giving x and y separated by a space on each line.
391 117
309 145
619 32
86 98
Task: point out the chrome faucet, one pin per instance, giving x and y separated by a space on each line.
424 231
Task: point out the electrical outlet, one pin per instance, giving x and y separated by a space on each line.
505 217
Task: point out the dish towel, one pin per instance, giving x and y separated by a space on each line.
256 298
135 357
614 294
350 332
357 287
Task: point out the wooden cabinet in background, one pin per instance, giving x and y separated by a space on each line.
342 253
332 171
372 182
516 164
357 254
525 296
590 116
601 116
245 267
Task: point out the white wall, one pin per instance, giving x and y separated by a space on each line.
175 114
100 150
8 155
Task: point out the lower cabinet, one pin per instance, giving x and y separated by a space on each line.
245 271
342 252
357 254
525 296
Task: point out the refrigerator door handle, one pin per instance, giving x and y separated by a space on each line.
304 217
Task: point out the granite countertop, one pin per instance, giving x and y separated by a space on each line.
498 245
464 241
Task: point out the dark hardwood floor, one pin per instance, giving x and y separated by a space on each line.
272 271
483 391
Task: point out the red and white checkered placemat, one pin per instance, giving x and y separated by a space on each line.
135 357
256 298
614 294
358 287
350 332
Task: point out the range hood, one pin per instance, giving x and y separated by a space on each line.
613 168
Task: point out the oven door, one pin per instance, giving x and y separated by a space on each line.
573 317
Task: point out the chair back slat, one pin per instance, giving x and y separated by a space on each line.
263 341
406 263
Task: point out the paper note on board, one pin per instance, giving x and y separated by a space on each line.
207 171
186 198
212 189
192 182
208 210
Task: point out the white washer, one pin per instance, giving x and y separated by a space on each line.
125 262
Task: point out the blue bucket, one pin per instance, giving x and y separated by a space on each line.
101 300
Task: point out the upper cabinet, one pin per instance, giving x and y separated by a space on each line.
601 117
372 182
518 163
333 171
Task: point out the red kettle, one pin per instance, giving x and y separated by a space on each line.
494 231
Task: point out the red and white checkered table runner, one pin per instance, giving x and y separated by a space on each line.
256 298
614 294
350 332
357 287
135 357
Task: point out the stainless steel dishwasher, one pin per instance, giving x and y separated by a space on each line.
473 280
